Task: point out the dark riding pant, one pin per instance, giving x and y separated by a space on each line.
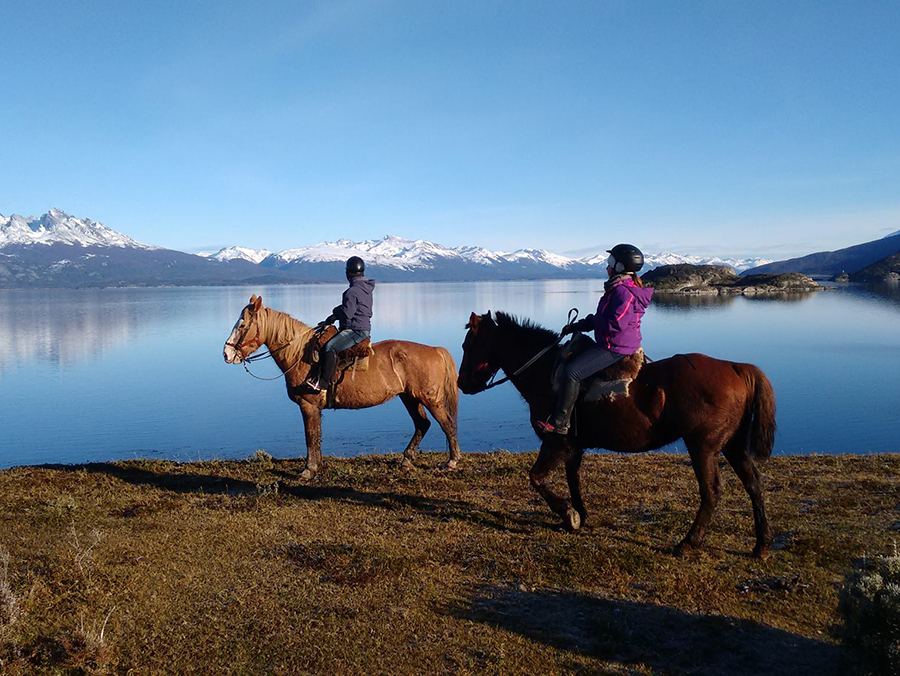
344 340
584 365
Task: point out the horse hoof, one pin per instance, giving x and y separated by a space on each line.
451 464
681 549
572 521
406 465
761 552
307 475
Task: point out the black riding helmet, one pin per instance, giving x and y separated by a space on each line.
355 266
625 258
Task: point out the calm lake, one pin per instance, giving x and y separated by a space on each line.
95 375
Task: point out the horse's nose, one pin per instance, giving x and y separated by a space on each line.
462 385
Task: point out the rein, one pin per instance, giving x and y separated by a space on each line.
531 361
573 315
271 355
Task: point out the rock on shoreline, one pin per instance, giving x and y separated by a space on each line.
720 279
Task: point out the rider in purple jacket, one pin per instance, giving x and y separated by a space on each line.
616 326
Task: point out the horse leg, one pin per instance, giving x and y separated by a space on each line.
549 457
573 477
748 473
706 469
312 426
421 422
448 425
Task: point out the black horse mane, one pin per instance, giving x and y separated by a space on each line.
525 331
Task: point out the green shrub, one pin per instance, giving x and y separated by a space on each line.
261 460
870 606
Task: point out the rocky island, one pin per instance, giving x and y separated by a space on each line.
721 279
885 270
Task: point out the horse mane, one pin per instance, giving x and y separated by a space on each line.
526 332
282 328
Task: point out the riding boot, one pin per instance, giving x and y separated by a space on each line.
329 362
565 404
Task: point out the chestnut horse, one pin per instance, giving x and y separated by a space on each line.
424 377
714 406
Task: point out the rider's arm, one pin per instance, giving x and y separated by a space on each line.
347 309
583 325
614 311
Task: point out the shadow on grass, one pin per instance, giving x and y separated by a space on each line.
442 509
175 482
662 638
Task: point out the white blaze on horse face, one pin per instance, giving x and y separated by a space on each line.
232 356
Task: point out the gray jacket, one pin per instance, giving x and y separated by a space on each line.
355 310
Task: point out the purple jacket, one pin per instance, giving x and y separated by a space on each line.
617 322
355 310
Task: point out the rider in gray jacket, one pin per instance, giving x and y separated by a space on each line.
354 316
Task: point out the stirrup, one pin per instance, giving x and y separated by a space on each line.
549 428
314 386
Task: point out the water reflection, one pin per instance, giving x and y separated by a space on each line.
794 297
885 292
676 301
63 327
139 372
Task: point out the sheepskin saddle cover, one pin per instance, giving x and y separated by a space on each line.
615 380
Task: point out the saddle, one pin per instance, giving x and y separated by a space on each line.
355 358
612 382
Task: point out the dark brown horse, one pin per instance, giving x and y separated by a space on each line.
714 406
424 377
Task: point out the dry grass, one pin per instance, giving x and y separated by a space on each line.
237 568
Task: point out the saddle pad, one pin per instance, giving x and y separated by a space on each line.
354 364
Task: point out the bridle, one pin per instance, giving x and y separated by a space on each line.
238 346
491 383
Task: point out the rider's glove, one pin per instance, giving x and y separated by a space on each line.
327 322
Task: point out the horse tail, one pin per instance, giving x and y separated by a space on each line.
451 390
761 415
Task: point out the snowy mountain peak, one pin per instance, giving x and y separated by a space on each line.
231 253
58 227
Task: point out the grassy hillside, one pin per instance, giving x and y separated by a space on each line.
234 567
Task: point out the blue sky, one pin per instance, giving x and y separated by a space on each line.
714 127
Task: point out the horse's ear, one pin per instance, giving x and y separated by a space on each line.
252 299
488 315
474 320
257 303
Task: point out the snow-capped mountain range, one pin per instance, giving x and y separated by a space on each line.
409 255
59 250
57 227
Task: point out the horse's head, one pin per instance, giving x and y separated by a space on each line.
245 337
481 353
